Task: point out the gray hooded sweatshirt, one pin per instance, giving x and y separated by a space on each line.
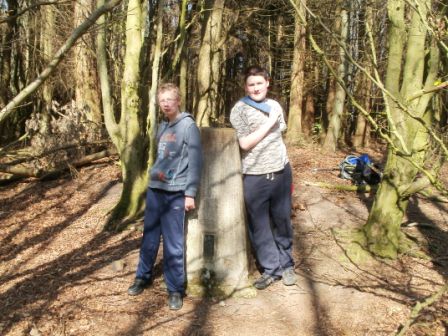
179 156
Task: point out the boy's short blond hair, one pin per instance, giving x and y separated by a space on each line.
169 87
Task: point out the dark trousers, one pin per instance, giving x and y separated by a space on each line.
268 205
164 215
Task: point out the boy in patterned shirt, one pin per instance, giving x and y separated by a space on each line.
267 178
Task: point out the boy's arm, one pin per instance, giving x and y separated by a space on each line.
194 161
250 140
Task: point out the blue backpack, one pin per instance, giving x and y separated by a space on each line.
360 170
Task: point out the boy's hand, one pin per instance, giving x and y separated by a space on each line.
274 116
189 203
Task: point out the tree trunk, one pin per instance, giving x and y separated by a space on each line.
182 36
128 135
87 97
7 32
152 111
406 74
294 133
361 136
47 43
133 149
8 36
308 115
209 63
183 80
331 95
335 118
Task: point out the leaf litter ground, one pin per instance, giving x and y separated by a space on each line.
61 274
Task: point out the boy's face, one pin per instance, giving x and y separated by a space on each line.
256 87
169 104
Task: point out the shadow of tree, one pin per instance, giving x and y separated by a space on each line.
304 248
398 280
436 238
31 292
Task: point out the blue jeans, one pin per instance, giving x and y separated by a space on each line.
164 216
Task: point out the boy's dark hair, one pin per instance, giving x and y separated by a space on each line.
256 70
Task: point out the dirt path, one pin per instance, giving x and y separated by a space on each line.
60 274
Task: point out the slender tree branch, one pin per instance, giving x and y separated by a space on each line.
5 148
344 187
24 171
422 92
31 7
57 58
419 306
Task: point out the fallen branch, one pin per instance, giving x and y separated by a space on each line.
22 171
5 148
55 149
433 197
419 306
343 187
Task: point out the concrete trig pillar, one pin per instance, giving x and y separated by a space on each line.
216 247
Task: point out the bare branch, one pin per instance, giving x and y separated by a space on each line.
420 306
57 58
365 188
24 171
422 92
36 5
53 150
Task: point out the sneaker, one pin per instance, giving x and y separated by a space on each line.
264 281
138 286
289 277
175 301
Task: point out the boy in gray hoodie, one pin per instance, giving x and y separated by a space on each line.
174 181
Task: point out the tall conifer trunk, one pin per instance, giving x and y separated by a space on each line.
294 133
87 96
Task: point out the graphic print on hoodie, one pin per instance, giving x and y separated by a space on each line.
166 151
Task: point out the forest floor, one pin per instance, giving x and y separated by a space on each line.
61 274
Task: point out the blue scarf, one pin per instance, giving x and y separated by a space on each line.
263 106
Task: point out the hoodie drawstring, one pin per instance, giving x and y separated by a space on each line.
270 176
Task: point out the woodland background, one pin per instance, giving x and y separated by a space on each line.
79 79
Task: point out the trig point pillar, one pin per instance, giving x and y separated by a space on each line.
216 247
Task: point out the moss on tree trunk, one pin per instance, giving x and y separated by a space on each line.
408 122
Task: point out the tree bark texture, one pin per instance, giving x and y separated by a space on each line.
361 135
294 133
128 133
87 96
152 110
407 72
209 63
47 39
133 142
308 115
335 117
7 31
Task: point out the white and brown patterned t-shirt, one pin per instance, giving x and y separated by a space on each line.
269 155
